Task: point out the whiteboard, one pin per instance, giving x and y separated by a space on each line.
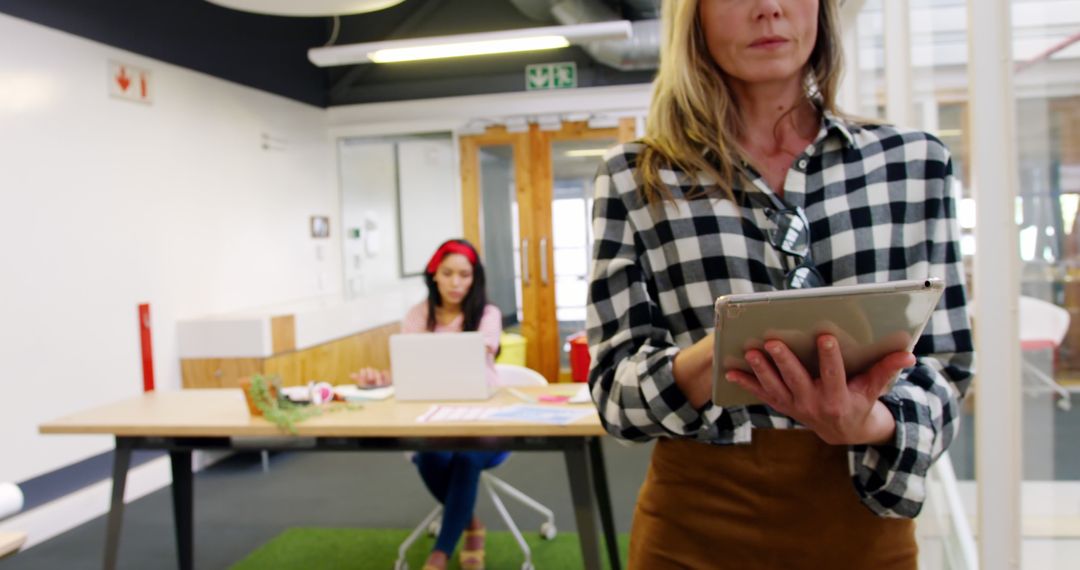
429 200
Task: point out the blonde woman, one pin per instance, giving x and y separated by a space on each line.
749 179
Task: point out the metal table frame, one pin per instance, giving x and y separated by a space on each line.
584 467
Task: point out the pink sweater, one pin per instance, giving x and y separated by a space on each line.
490 328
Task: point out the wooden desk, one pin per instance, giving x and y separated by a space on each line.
180 422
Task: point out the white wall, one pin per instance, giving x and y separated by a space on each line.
105 204
369 202
404 195
430 197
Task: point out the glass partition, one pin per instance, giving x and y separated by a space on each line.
1046 56
502 235
938 39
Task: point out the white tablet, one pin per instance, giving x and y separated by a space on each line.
870 321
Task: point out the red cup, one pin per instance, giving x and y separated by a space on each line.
579 357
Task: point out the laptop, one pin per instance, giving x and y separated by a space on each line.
439 366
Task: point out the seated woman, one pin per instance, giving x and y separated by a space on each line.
457 302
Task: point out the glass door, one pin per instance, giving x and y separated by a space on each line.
495 183
574 154
1046 62
527 201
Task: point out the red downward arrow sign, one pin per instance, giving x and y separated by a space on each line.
123 79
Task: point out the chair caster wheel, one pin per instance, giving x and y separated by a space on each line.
548 531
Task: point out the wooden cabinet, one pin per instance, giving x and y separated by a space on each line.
331 361
218 372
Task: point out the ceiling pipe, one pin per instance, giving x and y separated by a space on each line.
641 51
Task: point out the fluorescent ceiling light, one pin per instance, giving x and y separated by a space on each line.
307 7
505 41
586 152
441 51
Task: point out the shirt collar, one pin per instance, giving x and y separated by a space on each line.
830 125
836 125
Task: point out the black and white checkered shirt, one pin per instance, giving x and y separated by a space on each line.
881 207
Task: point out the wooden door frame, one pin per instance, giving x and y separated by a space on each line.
472 208
534 182
543 188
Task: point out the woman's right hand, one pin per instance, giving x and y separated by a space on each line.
692 370
371 378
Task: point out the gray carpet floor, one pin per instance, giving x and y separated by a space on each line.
238 507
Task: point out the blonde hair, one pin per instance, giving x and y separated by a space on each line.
693 120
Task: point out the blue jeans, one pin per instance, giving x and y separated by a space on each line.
453 477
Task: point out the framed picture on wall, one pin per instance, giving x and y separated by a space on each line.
320 226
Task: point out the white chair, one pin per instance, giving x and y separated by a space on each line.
514 375
11 542
509 375
1043 326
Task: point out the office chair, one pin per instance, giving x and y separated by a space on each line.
10 542
1043 326
509 375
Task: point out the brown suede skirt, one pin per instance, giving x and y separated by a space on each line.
784 501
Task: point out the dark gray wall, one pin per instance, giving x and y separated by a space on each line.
270 52
264 52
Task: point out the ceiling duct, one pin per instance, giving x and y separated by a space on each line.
641 51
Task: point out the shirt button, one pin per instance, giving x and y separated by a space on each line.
802 164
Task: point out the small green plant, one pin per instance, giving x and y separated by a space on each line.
280 411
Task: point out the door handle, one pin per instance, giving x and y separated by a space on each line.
525 262
543 261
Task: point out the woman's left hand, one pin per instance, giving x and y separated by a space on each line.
840 410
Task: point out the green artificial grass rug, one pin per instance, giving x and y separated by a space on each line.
362 549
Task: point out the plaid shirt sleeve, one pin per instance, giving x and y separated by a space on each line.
891 479
630 346
881 208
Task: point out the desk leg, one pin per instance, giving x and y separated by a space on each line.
581 491
183 509
603 498
121 463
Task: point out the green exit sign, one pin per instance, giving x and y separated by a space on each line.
562 75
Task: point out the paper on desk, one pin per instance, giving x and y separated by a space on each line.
540 414
582 396
440 413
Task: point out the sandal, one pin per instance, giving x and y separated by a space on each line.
472 559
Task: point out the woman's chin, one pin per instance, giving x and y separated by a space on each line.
770 72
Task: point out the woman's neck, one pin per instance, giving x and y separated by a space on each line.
775 116
447 312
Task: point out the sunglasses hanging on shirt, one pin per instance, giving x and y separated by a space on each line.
790 235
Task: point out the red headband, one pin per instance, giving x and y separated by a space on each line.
445 250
